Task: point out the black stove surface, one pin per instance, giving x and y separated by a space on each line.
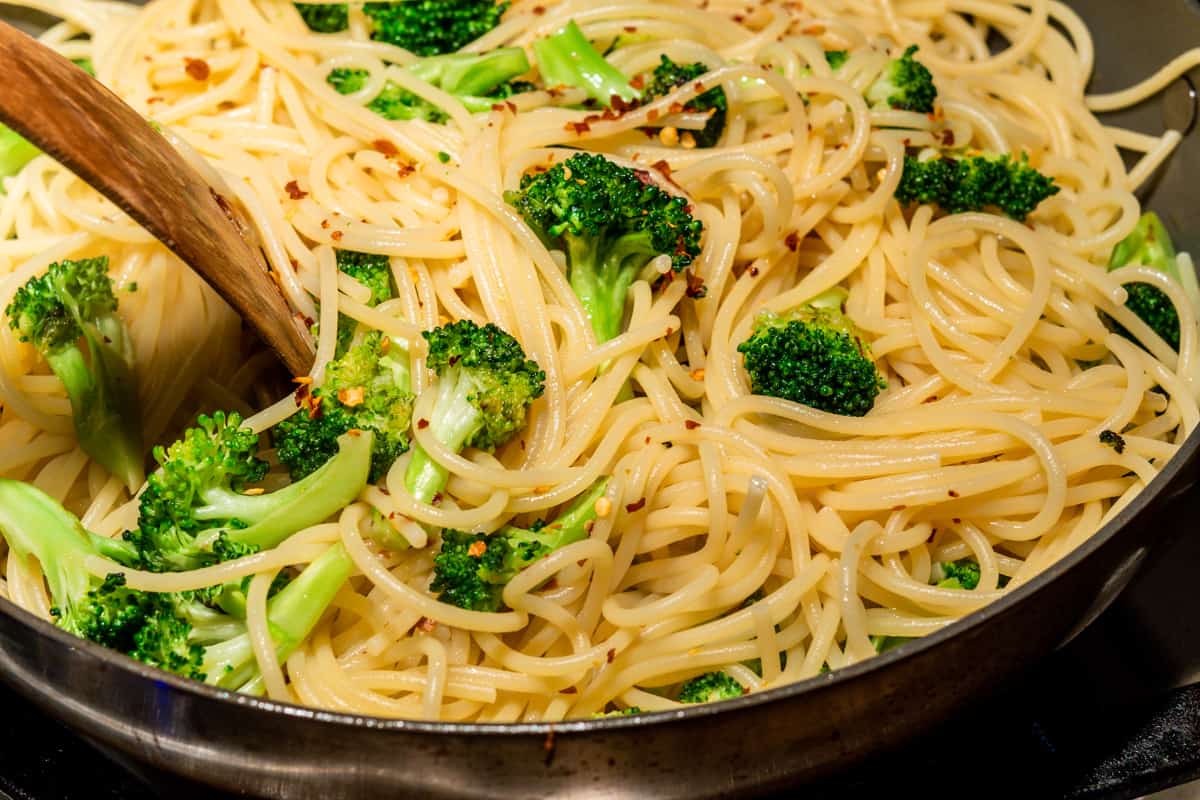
1113 715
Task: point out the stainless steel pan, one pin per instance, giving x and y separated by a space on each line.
763 741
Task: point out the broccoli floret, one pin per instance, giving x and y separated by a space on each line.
371 270
472 78
885 643
86 65
194 511
961 574
611 221
1151 245
669 76
905 84
472 569
176 632
617 712
836 58
1114 440
433 27
975 183
70 315
710 687
813 355
325 17
568 59
369 389
484 389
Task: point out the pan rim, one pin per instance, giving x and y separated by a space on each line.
38 627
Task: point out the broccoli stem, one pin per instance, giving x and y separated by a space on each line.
454 420
15 152
273 517
35 525
292 614
472 74
568 59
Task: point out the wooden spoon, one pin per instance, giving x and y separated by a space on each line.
91 132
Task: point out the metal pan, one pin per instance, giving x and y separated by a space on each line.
753 744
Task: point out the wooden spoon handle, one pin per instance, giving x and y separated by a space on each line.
91 132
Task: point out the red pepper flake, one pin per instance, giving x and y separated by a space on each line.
952 493
753 272
354 396
638 82
437 499
670 331
691 424
676 108
662 166
647 440
621 105
738 18
630 29
956 520
422 424
634 507
948 138
698 86
610 655
336 236
578 128
569 690
899 508
197 69
294 191
386 147
324 224
426 625
792 240
477 548
404 170
354 433
695 286
538 10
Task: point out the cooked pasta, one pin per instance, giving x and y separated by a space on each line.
738 532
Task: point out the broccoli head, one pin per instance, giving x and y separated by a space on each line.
471 569
199 508
611 221
484 389
433 27
1149 244
975 183
325 17
961 574
669 76
815 356
905 84
69 315
710 687
836 58
368 389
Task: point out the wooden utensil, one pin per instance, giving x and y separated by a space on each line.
91 132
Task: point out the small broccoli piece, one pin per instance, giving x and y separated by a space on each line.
815 356
194 511
511 89
471 569
484 389
368 389
69 315
836 58
1114 440
885 643
433 27
710 687
568 59
176 632
975 183
611 221
617 712
325 17
961 574
1149 244
15 150
669 76
905 84
371 270
471 78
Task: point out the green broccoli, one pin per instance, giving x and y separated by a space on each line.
1114 440
975 183
836 58
710 687
15 150
813 355
568 59
197 509
484 389
611 221
325 17
669 76
475 80
176 632
961 574
617 712
433 27
69 315
1149 244
905 84
885 643
368 388
471 569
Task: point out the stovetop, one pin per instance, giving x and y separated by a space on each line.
1113 715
